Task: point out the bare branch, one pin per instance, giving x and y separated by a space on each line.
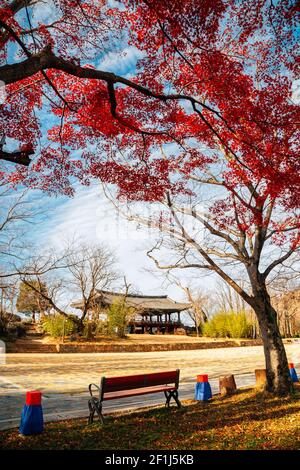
277 262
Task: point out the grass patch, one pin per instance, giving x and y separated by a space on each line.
246 420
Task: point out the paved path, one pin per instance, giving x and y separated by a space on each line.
63 378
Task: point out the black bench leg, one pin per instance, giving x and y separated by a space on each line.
175 396
92 413
95 407
172 394
168 398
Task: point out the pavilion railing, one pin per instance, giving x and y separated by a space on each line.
155 323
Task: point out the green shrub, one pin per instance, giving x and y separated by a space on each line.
118 316
57 325
230 325
94 328
101 328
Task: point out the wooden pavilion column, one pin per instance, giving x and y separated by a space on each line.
145 320
159 322
168 323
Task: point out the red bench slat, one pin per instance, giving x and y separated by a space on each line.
114 384
134 392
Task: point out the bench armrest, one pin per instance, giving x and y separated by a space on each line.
91 389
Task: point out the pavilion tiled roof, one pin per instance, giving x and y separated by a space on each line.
149 303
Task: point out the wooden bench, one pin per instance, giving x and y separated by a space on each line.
131 386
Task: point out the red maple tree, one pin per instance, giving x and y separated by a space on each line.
209 106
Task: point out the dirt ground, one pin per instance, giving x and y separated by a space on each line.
64 378
72 372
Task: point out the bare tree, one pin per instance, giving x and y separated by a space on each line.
286 299
8 294
91 268
199 311
201 303
191 237
228 299
17 211
81 270
52 296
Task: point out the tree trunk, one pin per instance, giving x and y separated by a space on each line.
278 377
80 325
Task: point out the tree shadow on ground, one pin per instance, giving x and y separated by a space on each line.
248 419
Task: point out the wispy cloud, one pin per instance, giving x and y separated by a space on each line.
89 217
45 12
122 62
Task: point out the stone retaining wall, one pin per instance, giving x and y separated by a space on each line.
89 348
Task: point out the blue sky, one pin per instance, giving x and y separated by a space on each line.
89 216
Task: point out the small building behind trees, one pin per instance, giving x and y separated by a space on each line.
152 314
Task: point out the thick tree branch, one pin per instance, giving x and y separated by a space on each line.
176 265
49 300
207 258
46 59
214 231
17 5
22 158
